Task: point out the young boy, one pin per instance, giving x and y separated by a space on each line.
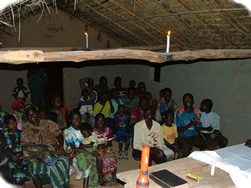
57 113
20 91
85 106
170 133
211 125
188 124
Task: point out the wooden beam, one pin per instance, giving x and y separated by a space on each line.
19 57
209 54
35 56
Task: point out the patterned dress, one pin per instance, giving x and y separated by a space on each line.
40 146
85 161
18 167
122 131
108 157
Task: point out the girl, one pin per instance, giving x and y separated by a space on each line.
109 161
104 106
12 148
88 150
122 131
57 113
18 107
74 138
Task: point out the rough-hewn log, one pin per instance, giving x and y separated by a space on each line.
78 56
19 57
209 54
29 56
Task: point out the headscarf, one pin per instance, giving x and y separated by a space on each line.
27 108
14 104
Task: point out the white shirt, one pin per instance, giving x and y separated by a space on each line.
144 136
210 119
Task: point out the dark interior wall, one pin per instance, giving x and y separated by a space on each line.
226 82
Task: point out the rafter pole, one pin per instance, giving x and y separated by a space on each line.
233 22
162 32
69 10
118 25
186 22
121 16
184 5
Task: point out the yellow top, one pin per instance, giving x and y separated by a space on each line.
169 133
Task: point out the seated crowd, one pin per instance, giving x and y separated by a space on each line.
47 146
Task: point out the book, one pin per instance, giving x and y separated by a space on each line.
167 179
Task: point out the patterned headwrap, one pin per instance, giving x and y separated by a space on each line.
27 108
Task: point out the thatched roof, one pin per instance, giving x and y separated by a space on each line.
194 24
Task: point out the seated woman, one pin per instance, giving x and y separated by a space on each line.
42 144
149 132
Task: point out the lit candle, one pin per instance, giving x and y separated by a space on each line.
86 40
168 41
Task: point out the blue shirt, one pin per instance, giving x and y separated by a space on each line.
182 118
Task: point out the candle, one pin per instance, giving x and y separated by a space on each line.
86 40
168 41
213 166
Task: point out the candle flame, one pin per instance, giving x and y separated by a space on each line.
169 33
86 33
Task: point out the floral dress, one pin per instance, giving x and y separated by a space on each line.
40 150
108 157
18 167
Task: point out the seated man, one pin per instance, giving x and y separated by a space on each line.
149 132
188 124
211 126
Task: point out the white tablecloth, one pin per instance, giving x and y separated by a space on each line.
236 160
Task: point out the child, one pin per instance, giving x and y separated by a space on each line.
116 101
74 137
18 107
108 158
122 131
132 84
11 147
3 114
57 113
167 102
85 106
155 105
130 100
20 91
211 126
170 133
104 106
43 113
142 91
88 149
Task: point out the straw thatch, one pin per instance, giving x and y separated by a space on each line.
195 24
